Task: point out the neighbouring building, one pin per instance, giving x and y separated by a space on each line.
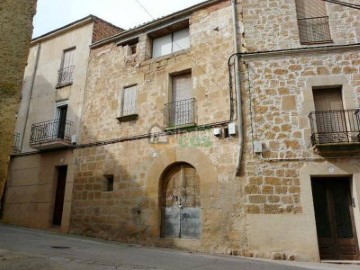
41 170
161 158
16 18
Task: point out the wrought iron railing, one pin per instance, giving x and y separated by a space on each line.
180 113
16 144
65 75
314 30
50 131
338 126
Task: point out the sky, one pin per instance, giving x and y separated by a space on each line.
52 14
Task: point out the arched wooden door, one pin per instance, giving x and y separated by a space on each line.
180 200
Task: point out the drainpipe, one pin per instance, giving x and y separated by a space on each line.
238 86
27 102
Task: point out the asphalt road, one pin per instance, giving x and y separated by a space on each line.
27 249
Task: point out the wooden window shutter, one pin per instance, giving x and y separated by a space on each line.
129 101
328 99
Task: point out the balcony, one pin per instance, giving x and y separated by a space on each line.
65 76
314 30
51 134
16 144
180 113
336 132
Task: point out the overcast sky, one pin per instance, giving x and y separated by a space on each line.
52 14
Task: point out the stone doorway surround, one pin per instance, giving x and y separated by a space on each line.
208 181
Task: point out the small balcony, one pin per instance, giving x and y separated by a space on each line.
51 134
65 76
180 113
16 144
336 131
314 30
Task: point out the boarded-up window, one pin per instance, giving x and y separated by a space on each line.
129 101
313 21
171 43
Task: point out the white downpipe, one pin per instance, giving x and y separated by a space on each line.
237 41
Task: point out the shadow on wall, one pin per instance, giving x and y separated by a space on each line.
33 179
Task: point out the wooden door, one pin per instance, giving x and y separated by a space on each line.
60 195
181 212
335 219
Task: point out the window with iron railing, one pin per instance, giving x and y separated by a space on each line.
313 22
65 73
52 130
335 126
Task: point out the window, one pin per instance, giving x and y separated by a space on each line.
66 70
128 105
171 43
109 182
181 110
313 21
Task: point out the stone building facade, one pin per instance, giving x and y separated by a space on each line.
157 149
40 178
16 18
129 188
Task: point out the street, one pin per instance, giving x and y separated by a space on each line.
29 249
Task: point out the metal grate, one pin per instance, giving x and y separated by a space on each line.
337 126
314 30
65 75
50 131
180 113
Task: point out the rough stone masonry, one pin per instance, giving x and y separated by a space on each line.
16 29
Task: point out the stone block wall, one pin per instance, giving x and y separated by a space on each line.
272 25
281 100
16 18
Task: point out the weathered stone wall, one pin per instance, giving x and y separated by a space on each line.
274 190
272 25
16 30
132 211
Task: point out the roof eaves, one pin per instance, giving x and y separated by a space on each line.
154 23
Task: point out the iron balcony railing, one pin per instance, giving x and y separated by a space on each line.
65 75
16 144
180 113
314 30
338 126
51 131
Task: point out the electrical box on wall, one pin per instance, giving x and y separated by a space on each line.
258 147
217 132
232 129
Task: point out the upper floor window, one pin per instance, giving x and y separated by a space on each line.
170 38
66 70
313 22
